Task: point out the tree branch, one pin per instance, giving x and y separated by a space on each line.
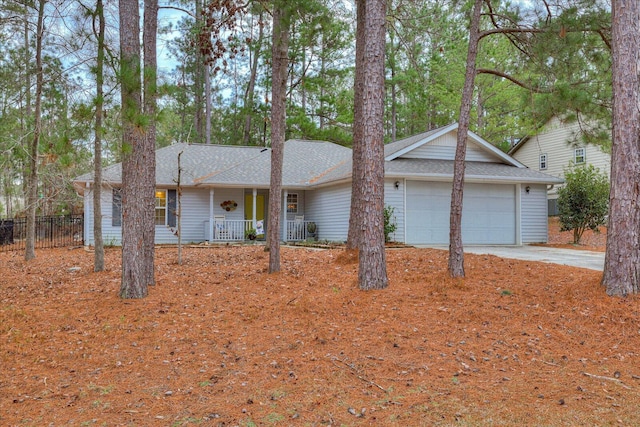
513 80
180 9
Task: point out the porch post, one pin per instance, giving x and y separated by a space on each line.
284 215
254 207
211 224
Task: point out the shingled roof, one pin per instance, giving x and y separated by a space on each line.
309 164
226 165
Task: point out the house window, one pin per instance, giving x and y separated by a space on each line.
166 207
543 161
165 213
116 207
579 155
161 207
292 203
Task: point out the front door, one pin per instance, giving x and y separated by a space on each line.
248 208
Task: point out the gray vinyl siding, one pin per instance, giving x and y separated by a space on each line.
221 195
111 236
395 198
195 212
534 224
444 148
329 208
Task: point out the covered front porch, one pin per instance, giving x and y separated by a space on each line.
242 214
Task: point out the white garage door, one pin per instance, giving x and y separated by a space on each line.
488 215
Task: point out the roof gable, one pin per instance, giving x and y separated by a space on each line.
440 144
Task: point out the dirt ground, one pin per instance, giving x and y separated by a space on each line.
219 342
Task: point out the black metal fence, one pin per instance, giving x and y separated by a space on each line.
51 232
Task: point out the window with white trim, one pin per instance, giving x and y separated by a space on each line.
165 210
579 155
292 203
166 207
161 207
543 161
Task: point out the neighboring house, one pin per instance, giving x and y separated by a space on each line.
225 191
555 149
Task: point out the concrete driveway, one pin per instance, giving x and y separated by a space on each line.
571 257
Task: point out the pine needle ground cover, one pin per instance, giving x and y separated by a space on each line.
220 342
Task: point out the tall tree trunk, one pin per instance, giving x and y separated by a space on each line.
249 94
372 266
179 207
622 260
393 86
198 80
149 148
323 72
134 282
456 251
32 197
98 254
356 216
207 102
279 50
25 114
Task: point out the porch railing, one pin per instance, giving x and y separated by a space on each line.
230 229
296 230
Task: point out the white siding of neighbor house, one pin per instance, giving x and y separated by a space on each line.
534 224
329 209
444 148
556 142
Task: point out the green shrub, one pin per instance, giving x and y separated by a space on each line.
583 203
390 225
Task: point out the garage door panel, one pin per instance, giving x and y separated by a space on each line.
488 215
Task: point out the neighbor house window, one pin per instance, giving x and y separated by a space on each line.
580 155
116 207
543 161
292 203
